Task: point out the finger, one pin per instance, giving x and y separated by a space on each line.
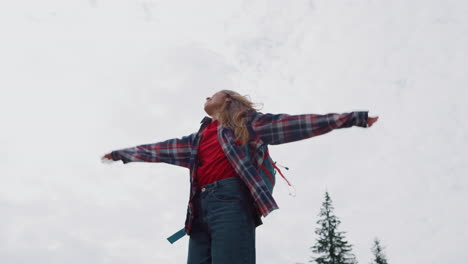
106 161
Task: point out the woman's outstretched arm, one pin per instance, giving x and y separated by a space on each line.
283 128
174 151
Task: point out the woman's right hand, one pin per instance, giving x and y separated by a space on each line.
107 158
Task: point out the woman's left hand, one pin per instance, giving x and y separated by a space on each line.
371 120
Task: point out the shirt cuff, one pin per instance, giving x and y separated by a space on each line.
115 156
360 118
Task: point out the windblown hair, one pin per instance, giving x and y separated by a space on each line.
233 115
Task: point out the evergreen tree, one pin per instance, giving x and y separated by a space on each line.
331 246
379 255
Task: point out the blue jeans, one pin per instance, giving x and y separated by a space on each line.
223 230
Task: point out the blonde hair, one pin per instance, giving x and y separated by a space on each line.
233 115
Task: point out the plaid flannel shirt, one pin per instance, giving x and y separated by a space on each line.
264 130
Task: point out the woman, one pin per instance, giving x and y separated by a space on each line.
227 196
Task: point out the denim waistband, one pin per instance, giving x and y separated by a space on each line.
232 182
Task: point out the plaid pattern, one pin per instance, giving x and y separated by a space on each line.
264 129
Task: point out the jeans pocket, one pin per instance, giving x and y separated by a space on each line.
226 196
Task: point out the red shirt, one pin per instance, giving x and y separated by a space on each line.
213 163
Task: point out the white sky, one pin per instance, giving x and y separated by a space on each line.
80 78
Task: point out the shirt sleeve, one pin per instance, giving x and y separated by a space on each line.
277 129
174 151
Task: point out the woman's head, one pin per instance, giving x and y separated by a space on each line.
214 104
230 109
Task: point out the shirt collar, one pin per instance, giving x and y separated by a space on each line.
206 120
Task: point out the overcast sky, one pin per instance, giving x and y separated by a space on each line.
80 78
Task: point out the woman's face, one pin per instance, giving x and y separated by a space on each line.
214 103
